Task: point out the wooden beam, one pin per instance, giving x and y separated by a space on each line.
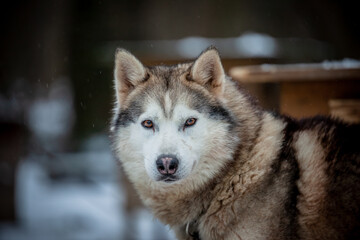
346 69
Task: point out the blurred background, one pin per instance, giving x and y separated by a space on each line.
58 177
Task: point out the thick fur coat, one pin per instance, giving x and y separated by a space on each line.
242 172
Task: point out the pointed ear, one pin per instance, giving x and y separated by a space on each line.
208 71
128 72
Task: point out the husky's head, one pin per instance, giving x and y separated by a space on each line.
170 122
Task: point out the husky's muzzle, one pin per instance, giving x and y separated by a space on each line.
167 165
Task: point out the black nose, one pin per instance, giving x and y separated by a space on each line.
167 164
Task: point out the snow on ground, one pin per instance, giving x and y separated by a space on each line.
83 201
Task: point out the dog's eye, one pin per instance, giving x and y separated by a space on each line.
147 124
190 122
188 77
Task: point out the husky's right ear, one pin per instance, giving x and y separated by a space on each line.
208 71
128 72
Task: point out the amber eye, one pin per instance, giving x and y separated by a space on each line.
190 122
147 124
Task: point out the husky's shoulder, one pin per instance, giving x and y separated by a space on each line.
325 157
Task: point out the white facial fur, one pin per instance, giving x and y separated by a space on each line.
202 149
170 137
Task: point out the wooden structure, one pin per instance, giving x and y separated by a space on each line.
310 89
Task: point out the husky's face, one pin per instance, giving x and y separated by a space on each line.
169 122
172 143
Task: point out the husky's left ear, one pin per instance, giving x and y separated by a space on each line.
208 71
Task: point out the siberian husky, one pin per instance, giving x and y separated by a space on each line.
211 164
